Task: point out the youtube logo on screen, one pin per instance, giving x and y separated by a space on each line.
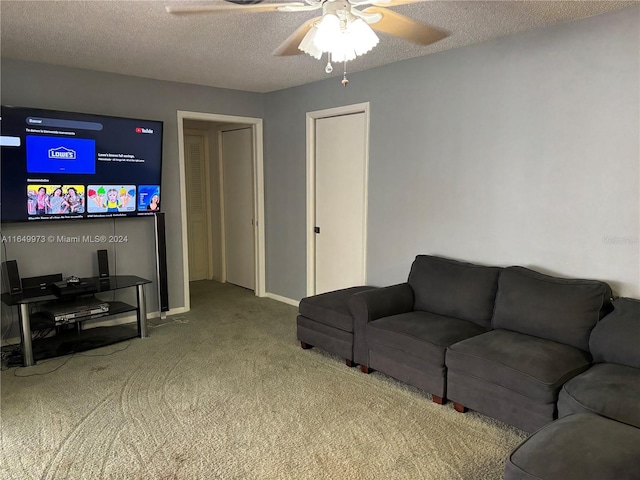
143 130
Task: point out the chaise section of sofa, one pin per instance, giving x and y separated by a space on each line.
540 340
611 387
582 446
597 434
404 330
326 322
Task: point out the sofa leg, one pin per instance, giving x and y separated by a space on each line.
350 363
365 369
438 400
305 345
459 407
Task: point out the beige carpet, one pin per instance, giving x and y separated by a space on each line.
225 392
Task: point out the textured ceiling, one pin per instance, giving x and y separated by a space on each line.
233 50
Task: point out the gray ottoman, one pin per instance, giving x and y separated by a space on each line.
580 446
326 322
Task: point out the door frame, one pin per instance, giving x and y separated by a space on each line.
204 134
312 117
258 192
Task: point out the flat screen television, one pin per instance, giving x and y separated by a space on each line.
60 165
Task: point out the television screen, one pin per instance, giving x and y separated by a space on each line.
61 165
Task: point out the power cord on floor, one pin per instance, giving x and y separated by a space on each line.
106 354
15 372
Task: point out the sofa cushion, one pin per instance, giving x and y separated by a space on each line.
531 366
582 446
454 289
557 309
331 308
616 338
421 334
607 389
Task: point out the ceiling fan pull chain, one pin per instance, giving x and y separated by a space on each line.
345 82
329 67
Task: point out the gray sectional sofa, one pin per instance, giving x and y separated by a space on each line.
404 330
539 340
597 434
501 341
611 387
535 351
326 322
583 446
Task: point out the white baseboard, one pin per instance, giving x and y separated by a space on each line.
279 298
172 311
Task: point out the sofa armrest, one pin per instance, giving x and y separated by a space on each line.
371 305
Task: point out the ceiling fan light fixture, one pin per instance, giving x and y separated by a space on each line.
329 33
343 51
341 34
362 36
308 45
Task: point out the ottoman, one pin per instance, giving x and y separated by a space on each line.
580 446
326 322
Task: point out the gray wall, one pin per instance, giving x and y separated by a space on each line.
46 86
522 150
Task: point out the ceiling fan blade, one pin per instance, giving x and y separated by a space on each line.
230 7
290 45
403 27
299 8
394 3
383 3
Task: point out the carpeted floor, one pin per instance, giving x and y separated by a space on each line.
225 392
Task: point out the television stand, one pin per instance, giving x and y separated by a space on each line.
84 339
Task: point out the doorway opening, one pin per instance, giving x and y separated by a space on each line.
206 144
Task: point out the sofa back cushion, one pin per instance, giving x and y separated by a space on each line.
454 289
558 309
616 338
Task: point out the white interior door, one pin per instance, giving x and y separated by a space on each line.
340 179
237 175
197 207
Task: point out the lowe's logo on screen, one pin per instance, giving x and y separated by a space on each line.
60 155
62 152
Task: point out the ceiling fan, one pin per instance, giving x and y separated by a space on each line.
343 31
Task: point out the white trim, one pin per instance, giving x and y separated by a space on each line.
223 231
311 185
258 172
311 205
279 298
172 311
257 130
183 213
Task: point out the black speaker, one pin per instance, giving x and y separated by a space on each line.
161 263
103 264
11 276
